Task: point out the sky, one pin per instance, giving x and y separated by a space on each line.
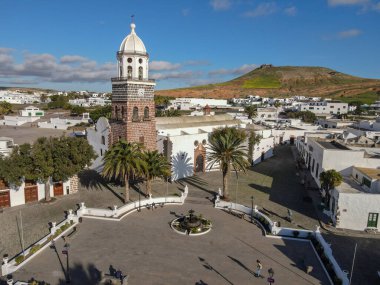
72 45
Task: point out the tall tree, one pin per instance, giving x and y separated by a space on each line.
12 168
58 159
330 179
5 108
121 161
251 111
227 150
156 166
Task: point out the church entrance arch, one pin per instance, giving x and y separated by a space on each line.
200 158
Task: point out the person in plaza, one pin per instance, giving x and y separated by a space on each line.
259 266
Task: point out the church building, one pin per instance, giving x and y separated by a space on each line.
183 140
133 109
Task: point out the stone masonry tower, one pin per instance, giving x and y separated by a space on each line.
133 108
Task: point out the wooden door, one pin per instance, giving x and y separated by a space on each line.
31 193
5 200
58 189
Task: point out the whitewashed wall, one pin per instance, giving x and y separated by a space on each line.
94 138
353 209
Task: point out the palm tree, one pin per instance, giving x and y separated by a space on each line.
157 166
251 110
227 150
330 179
121 161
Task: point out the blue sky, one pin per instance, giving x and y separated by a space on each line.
71 44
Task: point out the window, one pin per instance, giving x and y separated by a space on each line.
146 113
122 112
312 168
103 140
121 71
129 72
129 59
316 171
140 73
372 220
366 182
101 152
140 60
116 113
135 115
141 140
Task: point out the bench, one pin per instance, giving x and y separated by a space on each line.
236 213
71 234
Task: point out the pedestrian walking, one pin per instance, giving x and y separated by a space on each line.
259 266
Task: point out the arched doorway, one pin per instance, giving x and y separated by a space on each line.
199 158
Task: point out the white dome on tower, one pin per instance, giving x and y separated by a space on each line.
132 43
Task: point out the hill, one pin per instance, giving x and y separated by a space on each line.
283 81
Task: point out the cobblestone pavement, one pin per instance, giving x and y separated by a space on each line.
143 246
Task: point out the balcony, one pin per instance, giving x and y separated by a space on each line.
116 79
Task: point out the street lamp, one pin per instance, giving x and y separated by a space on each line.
66 252
252 209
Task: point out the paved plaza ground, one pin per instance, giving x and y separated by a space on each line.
273 184
144 246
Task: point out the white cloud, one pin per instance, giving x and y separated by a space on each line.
347 2
174 75
234 71
73 59
185 12
291 11
220 4
263 9
349 33
46 68
163 65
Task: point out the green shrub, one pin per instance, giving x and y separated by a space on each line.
35 248
71 222
19 259
65 227
57 232
50 238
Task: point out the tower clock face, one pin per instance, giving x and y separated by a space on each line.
140 92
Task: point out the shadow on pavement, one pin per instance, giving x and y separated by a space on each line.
80 275
92 180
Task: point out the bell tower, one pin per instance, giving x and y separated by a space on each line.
133 108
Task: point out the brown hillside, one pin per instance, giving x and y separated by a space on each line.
284 81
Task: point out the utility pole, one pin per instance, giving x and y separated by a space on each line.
353 262
22 235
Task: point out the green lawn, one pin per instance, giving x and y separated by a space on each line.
267 81
365 98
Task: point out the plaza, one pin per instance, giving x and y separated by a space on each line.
144 246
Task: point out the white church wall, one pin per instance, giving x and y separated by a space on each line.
183 154
100 146
265 147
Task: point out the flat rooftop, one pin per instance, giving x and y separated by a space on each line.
349 185
370 172
27 134
332 145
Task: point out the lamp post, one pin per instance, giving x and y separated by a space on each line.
66 252
252 209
